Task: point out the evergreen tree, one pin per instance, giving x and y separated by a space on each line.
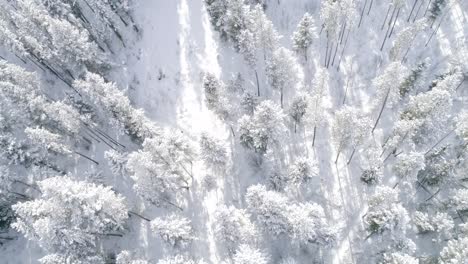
92 211
304 35
264 129
233 227
283 72
173 229
248 255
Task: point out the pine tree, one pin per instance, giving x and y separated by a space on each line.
92 211
350 128
301 171
213 152
399 258
248 255
127 257
298 109
385 212
233 227
173 229
302 222
405 38
320 89
304 35
388 84
114 102
160 169
264 129
283 72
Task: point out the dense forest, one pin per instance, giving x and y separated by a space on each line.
233 131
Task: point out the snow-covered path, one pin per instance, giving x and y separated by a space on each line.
169 78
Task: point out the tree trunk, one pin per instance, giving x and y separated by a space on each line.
315 132
350 158
394 22
258 83
386 16
427 7
438 142
281 97
417 11
434 32
86 157
412 9
362 14
381 110
370 7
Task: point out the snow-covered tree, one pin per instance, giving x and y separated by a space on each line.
266 37
61 258
372 164
302 170
127 257
439 222
350 128
173 229
57 42
47 140
408 165
398 258
233 227
160 169
283 72
405 38
264 129
298 109
304 35
117 162
92 211
302 222
214 97
456 251
462 126
113 101
179 259
212 151
385 212
388 84
315 115
248 255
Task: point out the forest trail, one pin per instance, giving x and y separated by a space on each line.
180 92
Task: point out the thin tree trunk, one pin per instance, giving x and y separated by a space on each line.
258 83
315 132
438 142
370 7
434 32
329 55
336 50
394 22
350 158
86 157
346 92
281 97
338 154
140 216
386 16
362 13
326 52
344 47
381 110
427 7
412 9
417 12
